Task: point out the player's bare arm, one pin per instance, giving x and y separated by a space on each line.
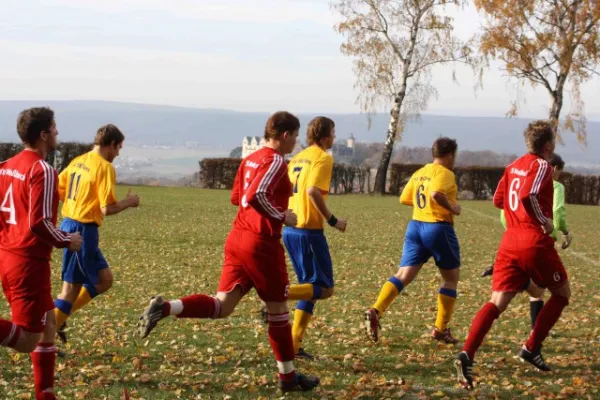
316 198
132 200
443 201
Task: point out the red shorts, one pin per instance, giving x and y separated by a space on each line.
524 255
26 284
255 261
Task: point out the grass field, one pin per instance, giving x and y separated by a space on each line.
172 245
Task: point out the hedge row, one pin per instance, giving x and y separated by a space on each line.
219 173
482 182
65 153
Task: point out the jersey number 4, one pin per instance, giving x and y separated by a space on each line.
8 206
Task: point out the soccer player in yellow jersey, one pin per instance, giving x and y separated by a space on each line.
431 191
87 189
310 173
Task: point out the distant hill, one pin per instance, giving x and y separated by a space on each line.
223 129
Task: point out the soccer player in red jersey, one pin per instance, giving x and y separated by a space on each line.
28 233
526 253
254 256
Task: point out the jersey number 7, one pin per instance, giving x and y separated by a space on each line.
297 171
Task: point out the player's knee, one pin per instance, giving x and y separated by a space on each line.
27 342
326 293
104 286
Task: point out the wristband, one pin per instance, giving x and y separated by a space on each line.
332 221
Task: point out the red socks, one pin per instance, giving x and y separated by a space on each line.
280 337
9 333
546 319
199 306
43 358
480 327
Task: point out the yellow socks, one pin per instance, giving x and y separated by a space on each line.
446 300
305 291
83 299
388 293
302 317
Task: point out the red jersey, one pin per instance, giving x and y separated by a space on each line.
526 193
262 190
28 208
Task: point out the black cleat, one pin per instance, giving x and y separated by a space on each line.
488 272
534 358
62 335
152 314
464 370
301 383
303 354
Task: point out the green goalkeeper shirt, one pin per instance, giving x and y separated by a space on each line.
558 209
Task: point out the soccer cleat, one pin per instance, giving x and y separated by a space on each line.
488 272
534 358
303 354
444 336
264 315
62 335
152 314
372 324
464 370
301 383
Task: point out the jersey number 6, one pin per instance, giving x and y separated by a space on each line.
513 196
421 199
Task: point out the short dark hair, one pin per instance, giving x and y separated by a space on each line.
319 128
32 122
537 134
107 135
280 122
443 146
557 161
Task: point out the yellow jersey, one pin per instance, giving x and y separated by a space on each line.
86 186
417 193
312 167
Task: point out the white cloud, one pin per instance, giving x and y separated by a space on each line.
280 11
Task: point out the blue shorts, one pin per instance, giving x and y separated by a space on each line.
84 265
310 256
426 239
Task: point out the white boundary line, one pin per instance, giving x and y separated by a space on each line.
568 251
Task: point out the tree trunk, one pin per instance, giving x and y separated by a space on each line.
386 156
557 101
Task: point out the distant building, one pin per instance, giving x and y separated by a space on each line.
250 144
343 151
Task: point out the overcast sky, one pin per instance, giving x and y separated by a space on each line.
276 54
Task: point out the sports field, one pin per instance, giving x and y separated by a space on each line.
172 245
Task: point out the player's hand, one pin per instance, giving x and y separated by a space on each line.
456 209
133 199
341 225
548 227
290 218
566 240
76 241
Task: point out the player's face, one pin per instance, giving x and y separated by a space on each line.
549 150
114 151
50 137
289 141
555 173
330 140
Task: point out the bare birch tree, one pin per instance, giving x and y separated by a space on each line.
548 43
394 44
